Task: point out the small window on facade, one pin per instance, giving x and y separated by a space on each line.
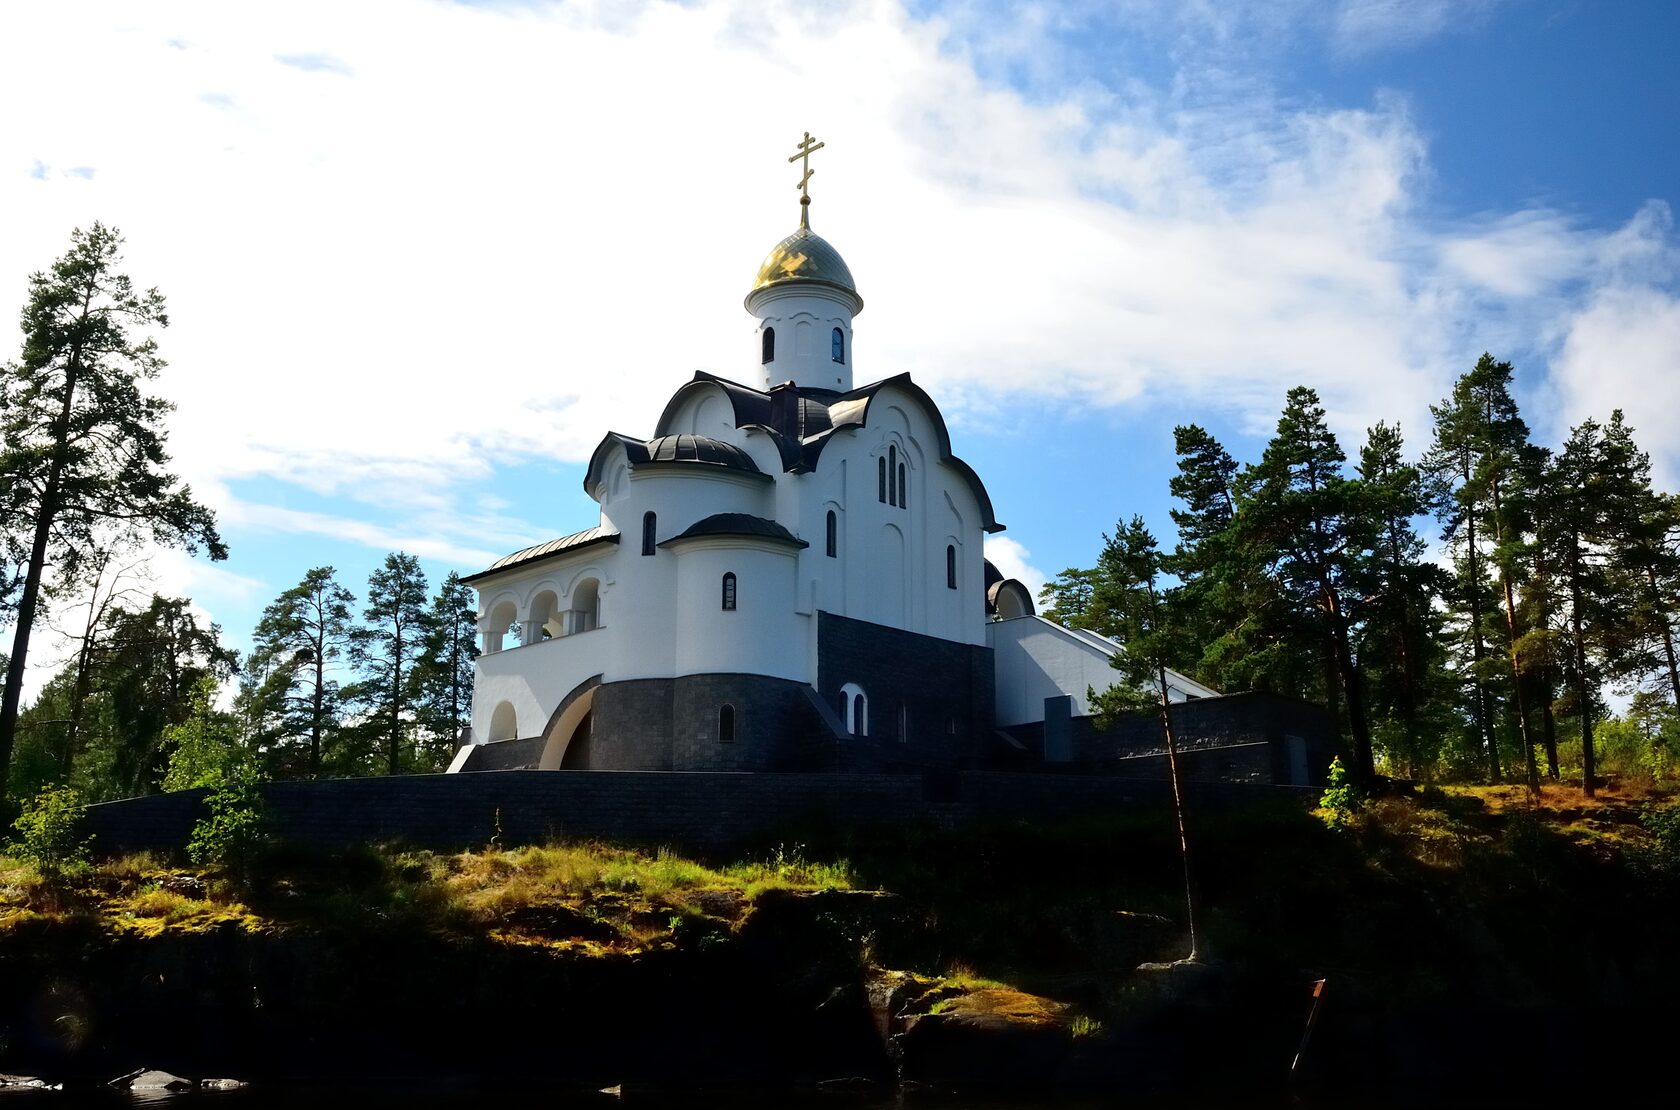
903 723
950 566
768 354
950 726
726 724
903 489
650 527
892 468
729 591
860 715
838 346
881 479
832 545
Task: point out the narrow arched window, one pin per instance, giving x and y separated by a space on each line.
650 527
726 724
903 722
833 543
768 354
903 489
950 566
837 346
881 479
729 591
854 707
892 468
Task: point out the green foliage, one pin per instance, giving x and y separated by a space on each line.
444 672
1662 824
1341 799
204 750
290 693
386 650
82 446
49 834
236 831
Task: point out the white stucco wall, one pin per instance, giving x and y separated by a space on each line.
1036 658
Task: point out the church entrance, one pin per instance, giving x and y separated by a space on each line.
576 757
569 730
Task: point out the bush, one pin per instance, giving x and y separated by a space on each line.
236 832
1340 798
48 834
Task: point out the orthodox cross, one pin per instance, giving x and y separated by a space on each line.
806 149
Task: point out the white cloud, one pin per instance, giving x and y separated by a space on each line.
1010 557
1372 26
1623 351
398 260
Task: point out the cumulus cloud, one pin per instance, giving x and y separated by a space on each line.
1014 560
398 262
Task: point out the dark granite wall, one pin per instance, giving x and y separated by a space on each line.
1263 720
698 811
938 681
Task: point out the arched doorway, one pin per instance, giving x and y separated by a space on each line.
577 756
570 725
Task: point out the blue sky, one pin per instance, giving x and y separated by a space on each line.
421 255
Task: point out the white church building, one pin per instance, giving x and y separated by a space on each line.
788 574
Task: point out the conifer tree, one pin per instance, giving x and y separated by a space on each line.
1590 491
295 648
81 446
445 670
1131 562
386 649
1400 634
1299 513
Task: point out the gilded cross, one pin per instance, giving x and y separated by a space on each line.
806 148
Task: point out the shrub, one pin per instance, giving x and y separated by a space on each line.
1341 799
235 832
49 834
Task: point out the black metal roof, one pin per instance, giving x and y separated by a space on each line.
801 421
543 550
738 524
701 450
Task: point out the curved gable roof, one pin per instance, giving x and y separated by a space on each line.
802 421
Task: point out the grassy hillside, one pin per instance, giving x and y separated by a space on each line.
1464 935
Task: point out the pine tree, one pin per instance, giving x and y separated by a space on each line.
1300 515
1399 641
1484 470
1591 490
295 648
386 649
81 447
1131 562
445 671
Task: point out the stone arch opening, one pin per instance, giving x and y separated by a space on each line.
543 622
571 726
584 613
503 618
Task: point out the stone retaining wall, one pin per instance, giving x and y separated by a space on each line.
698 811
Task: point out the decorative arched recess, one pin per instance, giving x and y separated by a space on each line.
855 709
563 723
504 723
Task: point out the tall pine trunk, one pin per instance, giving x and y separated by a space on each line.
1582 692
1511 638
1478 652
45 514
1667 634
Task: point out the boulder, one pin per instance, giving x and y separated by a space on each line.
994 1038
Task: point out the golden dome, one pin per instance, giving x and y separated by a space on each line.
804 256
